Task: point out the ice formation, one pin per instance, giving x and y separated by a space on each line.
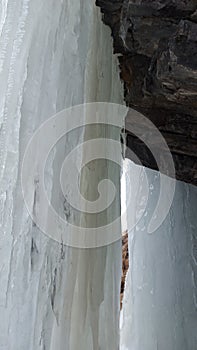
55 54
159 307
52 55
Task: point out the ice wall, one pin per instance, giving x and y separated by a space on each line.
160 302
53 54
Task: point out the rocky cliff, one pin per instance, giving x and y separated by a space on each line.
157 43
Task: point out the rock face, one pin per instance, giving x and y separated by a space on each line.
125 264
157 41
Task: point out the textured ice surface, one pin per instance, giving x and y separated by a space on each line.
159 307
53 54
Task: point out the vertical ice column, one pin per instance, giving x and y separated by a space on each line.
160 302
52 55
89 306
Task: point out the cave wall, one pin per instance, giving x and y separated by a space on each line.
157 43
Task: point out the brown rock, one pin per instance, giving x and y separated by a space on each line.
125 263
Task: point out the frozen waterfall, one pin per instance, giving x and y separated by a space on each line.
160 301
53 54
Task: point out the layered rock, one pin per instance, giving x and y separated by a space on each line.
157 41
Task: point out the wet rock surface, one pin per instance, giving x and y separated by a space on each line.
157 44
